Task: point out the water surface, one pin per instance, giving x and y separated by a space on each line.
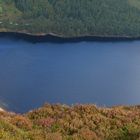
103 73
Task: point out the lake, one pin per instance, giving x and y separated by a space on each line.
103 73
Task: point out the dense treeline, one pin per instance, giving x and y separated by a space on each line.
72 17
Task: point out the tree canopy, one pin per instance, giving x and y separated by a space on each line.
72 17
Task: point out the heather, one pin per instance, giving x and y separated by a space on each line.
78 122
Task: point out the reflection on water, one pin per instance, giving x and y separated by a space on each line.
105 73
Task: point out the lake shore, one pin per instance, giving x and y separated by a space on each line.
1 109
55 38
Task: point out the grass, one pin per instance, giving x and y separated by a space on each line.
79 122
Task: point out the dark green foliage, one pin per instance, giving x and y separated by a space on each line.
74 17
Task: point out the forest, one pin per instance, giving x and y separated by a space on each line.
71 18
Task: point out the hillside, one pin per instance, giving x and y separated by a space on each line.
71 18
79 122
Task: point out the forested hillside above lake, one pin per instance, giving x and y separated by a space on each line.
72 18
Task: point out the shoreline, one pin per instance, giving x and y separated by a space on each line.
2 110
55 38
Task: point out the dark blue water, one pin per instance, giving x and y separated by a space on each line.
103 73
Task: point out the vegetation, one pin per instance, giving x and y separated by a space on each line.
79 122
72 18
